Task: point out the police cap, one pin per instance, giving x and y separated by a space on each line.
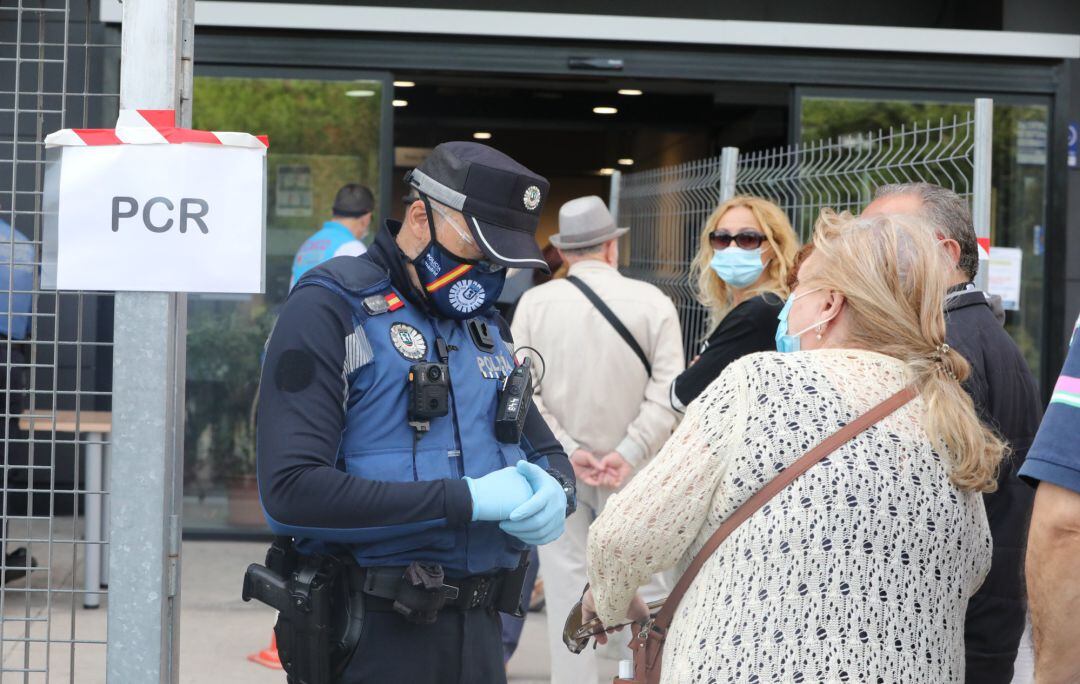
500 198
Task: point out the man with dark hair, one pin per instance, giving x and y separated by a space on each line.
1007 399
341 235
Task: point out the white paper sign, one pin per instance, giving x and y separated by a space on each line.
1004 281
159 218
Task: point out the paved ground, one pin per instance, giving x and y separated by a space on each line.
42 626
217 629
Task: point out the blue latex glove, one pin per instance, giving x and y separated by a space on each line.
542 518
497 494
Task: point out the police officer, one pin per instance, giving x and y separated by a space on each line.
436 514
341 235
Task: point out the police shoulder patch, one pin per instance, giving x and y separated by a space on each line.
408 341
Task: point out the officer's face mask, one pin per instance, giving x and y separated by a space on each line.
791 343
456 288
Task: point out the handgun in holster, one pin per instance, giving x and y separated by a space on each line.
319 616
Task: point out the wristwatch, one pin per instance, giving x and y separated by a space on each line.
568 487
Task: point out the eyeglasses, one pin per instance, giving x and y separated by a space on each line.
483 265
576 635
464 235
722 240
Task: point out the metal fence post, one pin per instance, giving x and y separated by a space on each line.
613 195
148 391
729 170
981 192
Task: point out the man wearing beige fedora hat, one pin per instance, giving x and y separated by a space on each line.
611 347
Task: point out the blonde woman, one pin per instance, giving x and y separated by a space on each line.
861 569
746 252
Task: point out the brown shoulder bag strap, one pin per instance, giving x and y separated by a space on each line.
759 499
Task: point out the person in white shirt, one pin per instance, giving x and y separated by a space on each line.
607 405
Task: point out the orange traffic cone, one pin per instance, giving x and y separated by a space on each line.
268 657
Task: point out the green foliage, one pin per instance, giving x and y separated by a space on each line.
224 354
301 117
824 118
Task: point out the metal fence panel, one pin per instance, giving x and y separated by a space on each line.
842 173
54 385
667 207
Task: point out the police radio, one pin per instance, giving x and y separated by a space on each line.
429 393
515 399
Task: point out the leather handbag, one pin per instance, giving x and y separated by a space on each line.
647 642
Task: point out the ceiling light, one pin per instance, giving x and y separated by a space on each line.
400 103
629 91
607 172
359 93
404 84
604 110
626 162
482 135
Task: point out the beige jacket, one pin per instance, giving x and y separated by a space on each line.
595 393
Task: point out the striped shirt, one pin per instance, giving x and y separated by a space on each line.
1054 457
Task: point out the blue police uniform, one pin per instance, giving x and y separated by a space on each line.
16 264
377 443
341 469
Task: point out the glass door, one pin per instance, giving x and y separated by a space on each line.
1018 181
324 133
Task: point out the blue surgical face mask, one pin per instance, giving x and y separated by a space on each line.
737 267
457 288
790 343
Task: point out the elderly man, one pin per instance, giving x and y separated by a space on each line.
611 347
1007 399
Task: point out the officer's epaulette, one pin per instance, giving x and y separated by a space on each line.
381 303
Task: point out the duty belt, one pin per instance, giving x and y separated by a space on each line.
382 585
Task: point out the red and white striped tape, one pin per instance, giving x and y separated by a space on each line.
151 127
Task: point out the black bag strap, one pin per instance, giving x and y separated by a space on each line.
613 320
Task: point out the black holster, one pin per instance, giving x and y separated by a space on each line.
420 595
510 599
319 616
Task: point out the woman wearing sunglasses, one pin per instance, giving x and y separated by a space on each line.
741 270
861 568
